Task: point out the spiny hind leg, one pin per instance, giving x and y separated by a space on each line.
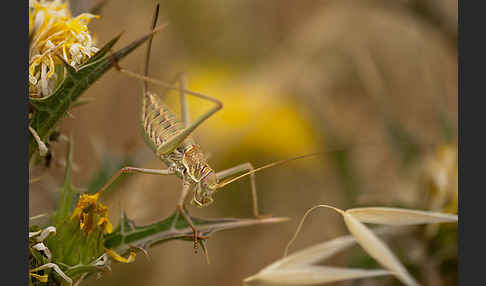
175 141
180 79
245 167
184 107
180 207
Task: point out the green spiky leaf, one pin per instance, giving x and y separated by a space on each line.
128 236
67 191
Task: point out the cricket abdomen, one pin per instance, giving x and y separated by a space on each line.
159 124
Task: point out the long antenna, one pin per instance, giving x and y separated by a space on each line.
149 46
268 166
329 150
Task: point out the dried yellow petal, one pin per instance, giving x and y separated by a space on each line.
120 258
41 278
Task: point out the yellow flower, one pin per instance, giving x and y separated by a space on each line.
91 214
442 171
52 31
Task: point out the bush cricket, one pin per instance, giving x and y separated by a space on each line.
169 138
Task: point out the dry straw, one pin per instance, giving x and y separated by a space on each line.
298 269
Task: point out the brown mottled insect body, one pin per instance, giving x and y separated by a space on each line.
170 140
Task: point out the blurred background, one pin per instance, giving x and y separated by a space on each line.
372 83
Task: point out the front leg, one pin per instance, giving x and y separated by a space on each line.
228 173
128 169
186 185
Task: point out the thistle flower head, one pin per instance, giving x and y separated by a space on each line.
52 33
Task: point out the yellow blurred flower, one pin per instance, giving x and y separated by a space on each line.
52 31
254 118
442 172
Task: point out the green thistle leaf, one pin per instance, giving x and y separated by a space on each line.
127 235
67 191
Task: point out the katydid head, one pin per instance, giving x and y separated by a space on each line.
209 183
204 190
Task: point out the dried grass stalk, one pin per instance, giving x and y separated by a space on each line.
397 216
297 268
